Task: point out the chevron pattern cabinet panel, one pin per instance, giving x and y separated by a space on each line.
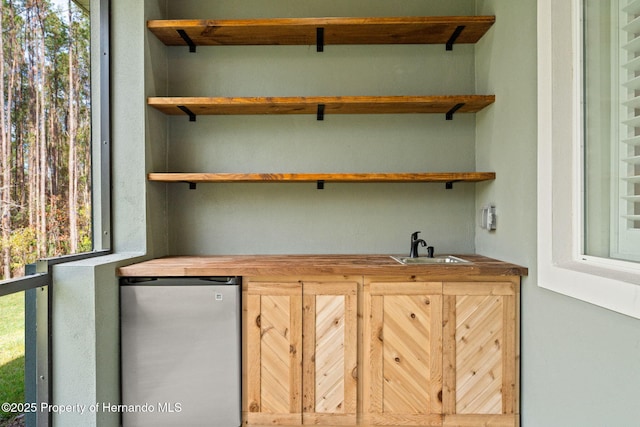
381 350
273 365
480 353
403 352
300 355
330 352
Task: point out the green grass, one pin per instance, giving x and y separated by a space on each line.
11 350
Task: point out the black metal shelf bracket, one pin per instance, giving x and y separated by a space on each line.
453 109
454 36
319 39
320 113
320 184
192 185
187 40
449 185
188 112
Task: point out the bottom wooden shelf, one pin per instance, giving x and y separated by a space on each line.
446 177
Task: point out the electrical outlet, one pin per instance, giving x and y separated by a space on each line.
488 217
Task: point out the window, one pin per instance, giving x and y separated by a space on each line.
587 197
612 128
50 100
54 89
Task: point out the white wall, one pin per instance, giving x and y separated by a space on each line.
580 363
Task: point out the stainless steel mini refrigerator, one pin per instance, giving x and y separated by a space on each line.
180 351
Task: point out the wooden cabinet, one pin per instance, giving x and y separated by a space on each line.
362 340
300 358
430 352
480 353
440 353
402 352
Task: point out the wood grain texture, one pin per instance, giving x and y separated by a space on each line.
251 358
481 268
449 327
302 31
274 324
480 355
480 421
330 352
403 353
399 340
302 366
332 104
328 177
446 421
479 358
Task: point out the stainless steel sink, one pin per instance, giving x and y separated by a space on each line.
443 259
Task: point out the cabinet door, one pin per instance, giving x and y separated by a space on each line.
403 353
330 354
480 353
273 353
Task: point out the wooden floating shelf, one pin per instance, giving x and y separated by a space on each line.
304 31
446 104
445 177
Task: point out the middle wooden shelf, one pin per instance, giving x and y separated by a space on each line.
444 177
438 104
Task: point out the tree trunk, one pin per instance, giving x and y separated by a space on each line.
5 164
73 175
42 138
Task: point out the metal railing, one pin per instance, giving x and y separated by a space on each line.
38 287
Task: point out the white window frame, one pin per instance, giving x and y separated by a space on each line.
562 265
625 239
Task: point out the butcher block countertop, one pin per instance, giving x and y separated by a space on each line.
298 265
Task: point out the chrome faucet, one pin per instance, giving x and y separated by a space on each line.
413 253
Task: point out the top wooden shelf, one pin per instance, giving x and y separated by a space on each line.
320 31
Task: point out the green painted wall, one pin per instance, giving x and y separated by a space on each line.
343 218
580 363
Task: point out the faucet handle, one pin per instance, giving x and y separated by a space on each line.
414 235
